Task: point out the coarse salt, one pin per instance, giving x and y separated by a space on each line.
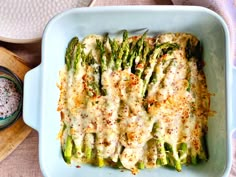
9 97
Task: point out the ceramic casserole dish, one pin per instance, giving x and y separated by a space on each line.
41 93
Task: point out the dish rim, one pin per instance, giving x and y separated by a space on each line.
163 8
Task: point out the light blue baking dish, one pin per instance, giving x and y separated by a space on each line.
41 94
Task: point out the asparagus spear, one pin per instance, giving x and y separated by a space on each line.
119 164
103 151
188 49
203 152
196 156
93 76
183 152
194 51
123 47
101 48
151 154
88 143
127 64
172 153
141 165
135 53
101 162
68 149
140 66
156 77
199 153
73 56
194 159
159 50
125 55
140 45
99 150
78 56
95 87
161 159
114 49
70 52
115 157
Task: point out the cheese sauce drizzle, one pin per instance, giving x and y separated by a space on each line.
111 116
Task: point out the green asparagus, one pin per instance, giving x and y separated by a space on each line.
122 49
183 152
103 59
141 165
161 159
173 156
68 149
70 52
114 49
88 143
159 50
140 66
135 53
103 62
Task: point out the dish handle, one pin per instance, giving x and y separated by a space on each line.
233 102
31 105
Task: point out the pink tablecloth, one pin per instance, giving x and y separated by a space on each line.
23 162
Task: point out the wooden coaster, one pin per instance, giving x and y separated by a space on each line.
12 136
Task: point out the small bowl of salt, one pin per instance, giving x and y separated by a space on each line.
11 97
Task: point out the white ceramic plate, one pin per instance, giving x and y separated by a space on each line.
41 94
23 21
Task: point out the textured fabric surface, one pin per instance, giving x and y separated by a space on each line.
24 161
24 20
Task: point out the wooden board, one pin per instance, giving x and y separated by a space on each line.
12 136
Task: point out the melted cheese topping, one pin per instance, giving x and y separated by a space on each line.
121 122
